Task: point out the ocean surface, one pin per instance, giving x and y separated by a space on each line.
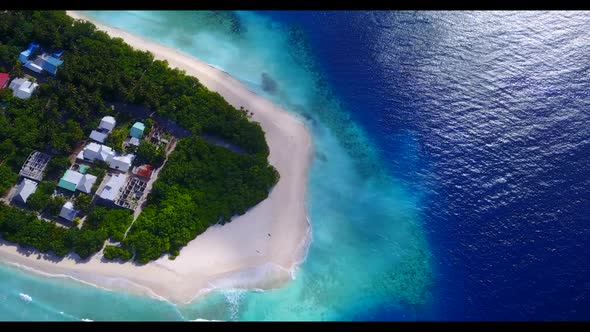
451 179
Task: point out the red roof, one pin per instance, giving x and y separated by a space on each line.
145 171
3 79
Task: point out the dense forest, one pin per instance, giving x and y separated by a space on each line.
200 185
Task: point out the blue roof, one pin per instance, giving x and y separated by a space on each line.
54 61
139 126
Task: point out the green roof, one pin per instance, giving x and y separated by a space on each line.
66 185
139 126
137 130
83 169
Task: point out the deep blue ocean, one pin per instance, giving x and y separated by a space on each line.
452 170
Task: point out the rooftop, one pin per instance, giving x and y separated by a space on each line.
98 136
112 188
25 189
70 180
4 77
68 212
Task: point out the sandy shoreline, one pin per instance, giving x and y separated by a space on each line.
240 254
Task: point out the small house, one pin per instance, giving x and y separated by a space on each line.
98 136
137 130
22 88
4 78
113 186
144 171
73 181
67 211
24 190
70 180
94 151
107 123
122 163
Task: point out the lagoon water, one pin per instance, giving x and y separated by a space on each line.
451 177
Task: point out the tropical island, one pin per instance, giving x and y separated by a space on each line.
108 154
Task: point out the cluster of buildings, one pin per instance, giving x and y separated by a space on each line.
43 62
31 173
122 186
97 151
23 88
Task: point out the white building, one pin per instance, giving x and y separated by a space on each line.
22 88
108 123
122 163
95 151
86 183
73 181
98 136
24 190
68 212
113 186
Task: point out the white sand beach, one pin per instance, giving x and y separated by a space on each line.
259 249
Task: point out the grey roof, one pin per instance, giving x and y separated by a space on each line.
25 189
98 136
112 187
86 183
68 212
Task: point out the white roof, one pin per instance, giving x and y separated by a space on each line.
109 119
122 162
25 189
73 177
86 183
126 159
106 153
98 136
94 147
16 83
134 141
68 212
108 122
94 151
28 87
112 187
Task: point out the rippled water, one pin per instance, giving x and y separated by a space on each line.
451 177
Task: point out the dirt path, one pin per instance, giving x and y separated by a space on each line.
148 188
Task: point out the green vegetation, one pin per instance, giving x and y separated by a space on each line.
57 167
148 153
112 253
39 199
201 185
54 205
7 179
82 203
25 228
114 222
117 137
99 170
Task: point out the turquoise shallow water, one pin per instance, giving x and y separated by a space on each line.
368 249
